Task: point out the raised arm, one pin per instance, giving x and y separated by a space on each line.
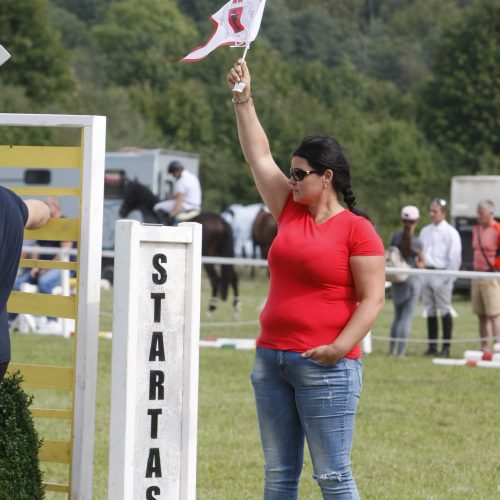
271 183
38 214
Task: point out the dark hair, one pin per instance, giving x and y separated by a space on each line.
406 249
322 153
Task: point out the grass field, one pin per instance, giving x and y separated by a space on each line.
422 431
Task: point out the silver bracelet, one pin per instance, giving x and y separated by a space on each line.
249 98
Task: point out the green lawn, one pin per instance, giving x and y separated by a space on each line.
422 432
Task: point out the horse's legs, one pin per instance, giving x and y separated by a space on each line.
214 283
163 217
236 298
254 256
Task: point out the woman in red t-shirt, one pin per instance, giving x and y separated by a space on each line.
327 287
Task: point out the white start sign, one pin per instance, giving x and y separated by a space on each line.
155 362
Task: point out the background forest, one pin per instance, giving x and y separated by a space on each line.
411 88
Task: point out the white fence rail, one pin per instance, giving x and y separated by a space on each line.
240 261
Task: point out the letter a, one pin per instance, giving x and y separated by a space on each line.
157 349
154 464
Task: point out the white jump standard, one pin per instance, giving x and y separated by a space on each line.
154 390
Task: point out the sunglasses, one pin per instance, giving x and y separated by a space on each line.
297 174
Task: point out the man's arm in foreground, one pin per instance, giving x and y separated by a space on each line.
38 214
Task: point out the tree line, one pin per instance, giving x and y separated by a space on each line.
409 87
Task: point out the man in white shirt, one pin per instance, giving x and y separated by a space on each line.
442 250
186 202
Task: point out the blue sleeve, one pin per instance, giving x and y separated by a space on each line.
13 217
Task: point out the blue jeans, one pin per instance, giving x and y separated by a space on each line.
297 398
405 297
46 282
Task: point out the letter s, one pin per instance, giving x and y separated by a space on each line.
161 277
152 492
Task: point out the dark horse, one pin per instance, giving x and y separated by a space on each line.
217 239
264 230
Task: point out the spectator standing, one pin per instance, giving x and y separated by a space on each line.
187 195
15 215
443 251
485 293
405 295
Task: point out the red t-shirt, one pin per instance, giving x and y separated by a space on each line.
312 296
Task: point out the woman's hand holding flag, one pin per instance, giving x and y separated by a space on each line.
239 77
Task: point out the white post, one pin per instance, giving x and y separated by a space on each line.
366 343
154 386
89 295
68 325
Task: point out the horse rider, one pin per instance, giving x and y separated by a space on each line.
186 201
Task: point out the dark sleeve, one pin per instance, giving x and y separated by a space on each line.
396 239
392 240
13 217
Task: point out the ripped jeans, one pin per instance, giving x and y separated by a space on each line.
299 398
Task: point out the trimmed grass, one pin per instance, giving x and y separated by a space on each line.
422 431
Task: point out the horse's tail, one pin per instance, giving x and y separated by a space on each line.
226 250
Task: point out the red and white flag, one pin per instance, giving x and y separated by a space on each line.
237 24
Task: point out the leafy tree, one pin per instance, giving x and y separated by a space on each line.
314 32
460 105
398 48
13 99
394 166
88 11
126 125
278 28
345 83
140 39
177 106
39 62
199 10
74 32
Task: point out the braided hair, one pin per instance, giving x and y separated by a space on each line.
322 153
